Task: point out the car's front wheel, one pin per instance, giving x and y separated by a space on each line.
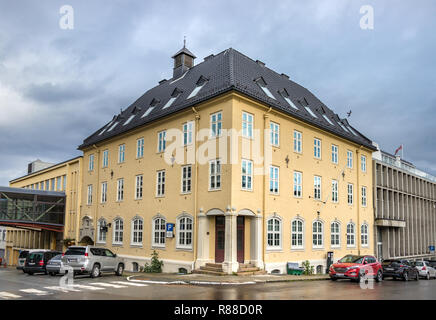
120 270
427 277
95 271
405 276
379 277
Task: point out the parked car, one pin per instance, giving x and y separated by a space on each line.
399 268
92 260
425 270
37 261
432 263
55 266
23 255
354 267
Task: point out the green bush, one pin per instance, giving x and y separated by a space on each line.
156 264
308 269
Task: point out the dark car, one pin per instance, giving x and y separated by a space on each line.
37 261
399 269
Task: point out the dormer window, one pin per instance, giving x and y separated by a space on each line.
200 84
342 126
287 98
327 119
128 120
311 112
113 126
173 98
146 113
262 84
352 131
153 104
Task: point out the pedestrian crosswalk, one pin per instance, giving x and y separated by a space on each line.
50 290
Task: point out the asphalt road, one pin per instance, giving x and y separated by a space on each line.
15 285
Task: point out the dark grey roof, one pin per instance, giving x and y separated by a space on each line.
184 50
226 71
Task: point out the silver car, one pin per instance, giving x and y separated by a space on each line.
425 270
55 266
92 260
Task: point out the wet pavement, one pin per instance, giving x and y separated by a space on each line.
15 285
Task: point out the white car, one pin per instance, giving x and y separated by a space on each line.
425 270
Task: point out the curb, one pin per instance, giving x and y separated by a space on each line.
197 282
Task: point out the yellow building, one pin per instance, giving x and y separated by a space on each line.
62 177
246 165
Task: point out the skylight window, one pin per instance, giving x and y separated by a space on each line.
352 131
289 101
170 102
262 85
146 113
113 126
327 119
342 126
128 120
107 126
311 112
196 90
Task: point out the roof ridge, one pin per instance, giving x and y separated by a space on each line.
231 67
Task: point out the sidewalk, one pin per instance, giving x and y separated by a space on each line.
202 279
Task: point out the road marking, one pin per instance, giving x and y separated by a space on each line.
103 284
82 286
130 283
62 289
7 295
35 291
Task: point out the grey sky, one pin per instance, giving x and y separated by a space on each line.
59 86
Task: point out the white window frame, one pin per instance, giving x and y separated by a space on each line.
160 183
91 162
335 149
161 141
105 158
298 141
350 194
363 163
188 132
185 232
160 232
295 245
276 234
100 237
248 166
139 183
298 184
364 235
89 195
335 191
103 192
247 125
317 188
137 228
118 231
351 235
274 134
274 180
216 124
121 153
140 148
317 148
364 197
335 235
317 236
120 189
215 174
186 179
350 159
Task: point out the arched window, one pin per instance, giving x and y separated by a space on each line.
184 232
101 231
118 231
274 230
159 232
317 234
364 235
297 234
137 228
350 235
335 240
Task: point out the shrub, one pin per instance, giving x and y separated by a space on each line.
308 269
156 264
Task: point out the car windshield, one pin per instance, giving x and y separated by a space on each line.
35 256
75 252
352 259
23 254
419 263
58 257
388 261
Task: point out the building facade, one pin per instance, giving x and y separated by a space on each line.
227 162
405 208
2 243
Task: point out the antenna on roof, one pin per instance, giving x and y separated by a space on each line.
184 41
348 114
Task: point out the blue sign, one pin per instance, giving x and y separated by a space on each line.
170 230
431 248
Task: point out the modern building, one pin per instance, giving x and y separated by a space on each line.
405 208
227 162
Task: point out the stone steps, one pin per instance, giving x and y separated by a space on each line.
245 269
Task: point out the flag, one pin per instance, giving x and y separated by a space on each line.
398 149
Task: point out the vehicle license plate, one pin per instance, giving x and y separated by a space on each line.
32 263
72 260
389 269
339 274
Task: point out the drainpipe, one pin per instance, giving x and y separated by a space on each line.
265 119
358 200
97 167
195 238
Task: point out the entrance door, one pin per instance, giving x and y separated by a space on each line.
240 239
220 231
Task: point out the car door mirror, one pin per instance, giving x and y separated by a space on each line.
365 262
115 255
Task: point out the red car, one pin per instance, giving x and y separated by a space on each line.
354 267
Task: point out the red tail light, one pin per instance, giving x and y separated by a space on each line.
401 266
86 254
63 254
41 263
424 268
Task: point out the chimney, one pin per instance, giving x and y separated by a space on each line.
183 61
